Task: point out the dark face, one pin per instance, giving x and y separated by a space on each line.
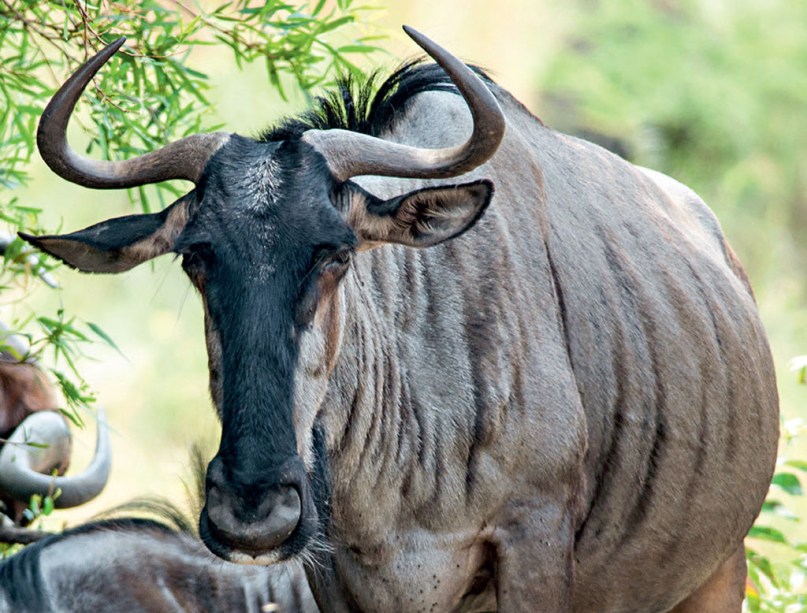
266 247
267 237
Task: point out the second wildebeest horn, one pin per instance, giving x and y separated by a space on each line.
22 464
350 154
182 159
15 343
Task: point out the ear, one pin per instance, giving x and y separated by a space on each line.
424 217
118 244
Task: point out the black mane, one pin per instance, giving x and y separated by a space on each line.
359 105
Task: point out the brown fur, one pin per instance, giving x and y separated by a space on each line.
723 592
23 390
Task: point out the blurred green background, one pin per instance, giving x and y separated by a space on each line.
712 92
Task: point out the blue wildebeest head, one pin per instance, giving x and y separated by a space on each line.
266 236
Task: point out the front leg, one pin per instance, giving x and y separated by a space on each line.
535 562
723 592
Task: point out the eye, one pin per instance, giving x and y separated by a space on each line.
332 261
339 260
197 257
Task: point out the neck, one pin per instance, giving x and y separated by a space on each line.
395 429
365 411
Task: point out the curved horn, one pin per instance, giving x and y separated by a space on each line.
350 154
22 465
183 159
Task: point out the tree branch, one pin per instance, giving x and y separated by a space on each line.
21 536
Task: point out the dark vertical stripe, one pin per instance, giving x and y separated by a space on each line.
348 426
645 499
21 578
714 309
557 287
297 597
482 353
473 447
604 474
655 402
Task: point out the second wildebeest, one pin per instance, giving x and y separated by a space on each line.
558 396
142 566
35 440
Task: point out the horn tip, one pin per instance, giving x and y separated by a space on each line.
426 43
28 238
412 33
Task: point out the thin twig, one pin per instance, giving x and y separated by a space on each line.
85 19
21 536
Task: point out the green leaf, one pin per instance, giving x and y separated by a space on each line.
35 504
104 336
799 365
800 464
763 565
358 48
787 482
73 417
766 533
777 508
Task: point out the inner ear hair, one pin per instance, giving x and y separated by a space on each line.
427 216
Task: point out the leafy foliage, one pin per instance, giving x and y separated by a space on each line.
39 507
704 91
776 564
800 366
147 95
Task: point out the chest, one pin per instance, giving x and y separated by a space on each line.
417 571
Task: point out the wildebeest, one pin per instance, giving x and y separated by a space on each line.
35 440
125 563
557 397
139 565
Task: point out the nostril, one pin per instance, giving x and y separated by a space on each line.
258 528
283 511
